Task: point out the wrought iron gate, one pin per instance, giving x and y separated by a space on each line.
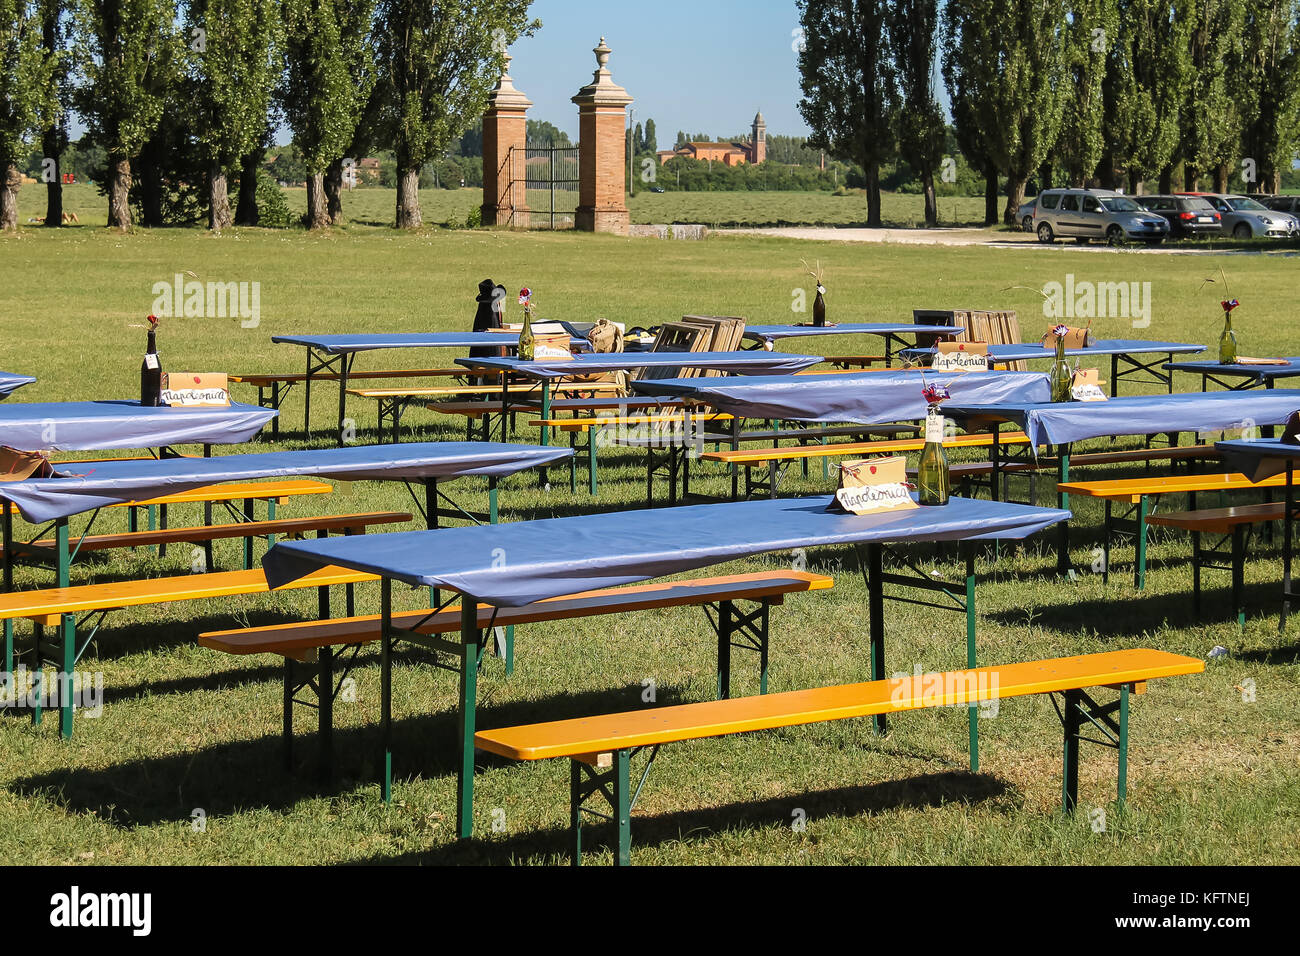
549 175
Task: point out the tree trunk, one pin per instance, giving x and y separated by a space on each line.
1134 184
9 199
931 204
54 188
246 212
873 195
317 213
218 199
334 192
1221 178
991 198
1015 196
119 192
408 199
1167 180
1190 175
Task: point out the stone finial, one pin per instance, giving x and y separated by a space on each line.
602 90
505 96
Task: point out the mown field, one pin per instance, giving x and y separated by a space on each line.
1213 778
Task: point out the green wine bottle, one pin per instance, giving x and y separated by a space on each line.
526 339
1060 378
1227 342
932 479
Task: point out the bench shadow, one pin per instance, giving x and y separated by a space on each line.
918 792
230 777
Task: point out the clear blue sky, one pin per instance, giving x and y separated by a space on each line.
694 65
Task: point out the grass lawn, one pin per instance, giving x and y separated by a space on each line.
1213 778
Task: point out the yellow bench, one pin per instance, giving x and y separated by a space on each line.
600 748
1137 491
59 607
308 641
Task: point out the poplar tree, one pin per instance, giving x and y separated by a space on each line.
913 31
25 74
970 69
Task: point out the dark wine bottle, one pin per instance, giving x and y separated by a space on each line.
819 307
151 374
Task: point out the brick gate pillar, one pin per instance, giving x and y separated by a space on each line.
602 156
505 200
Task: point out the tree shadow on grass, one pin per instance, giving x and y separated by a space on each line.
917 792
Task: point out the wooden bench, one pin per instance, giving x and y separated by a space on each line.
600 748
965 474
300 642
854 362
774 456
1136 492
482 412
600 423
205 534
1231 524
281 385
59 607
393 402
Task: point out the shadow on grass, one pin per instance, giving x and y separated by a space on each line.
919 792
231 777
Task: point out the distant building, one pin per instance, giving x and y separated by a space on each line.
753 150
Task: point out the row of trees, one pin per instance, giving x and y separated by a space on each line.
154 80
1113 93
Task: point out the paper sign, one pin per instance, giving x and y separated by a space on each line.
1074 338
195 390
961 357
1086 386
150 359
1248 360
874 485
552 348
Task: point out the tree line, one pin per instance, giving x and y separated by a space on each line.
182 91
1104 93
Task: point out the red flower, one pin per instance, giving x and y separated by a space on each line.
935 394
1229 305
153 322
1061 331
525 295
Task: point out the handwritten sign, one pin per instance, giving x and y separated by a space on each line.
1074 338
961 357
552 348
1086 386
874 486
195 390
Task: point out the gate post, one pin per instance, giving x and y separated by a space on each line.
602 157
505 135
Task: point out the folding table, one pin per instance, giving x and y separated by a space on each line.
10 382
516 564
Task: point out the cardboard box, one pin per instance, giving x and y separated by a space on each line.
874 486
195 390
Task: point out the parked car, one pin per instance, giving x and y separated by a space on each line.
1287 204
1087 214
1025 214
1245 218
657 189
1188 216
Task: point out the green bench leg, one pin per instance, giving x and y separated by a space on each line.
876 624
1121 788
972 712
386 683
623 807
1072 720
1079 709
575 810
724 650
1239 575
592 466
288 713
573 463
1196 572
63 680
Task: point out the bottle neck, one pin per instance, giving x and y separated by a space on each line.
152 347
1227 321
1060 349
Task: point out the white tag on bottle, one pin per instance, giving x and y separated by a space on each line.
934 425
150 360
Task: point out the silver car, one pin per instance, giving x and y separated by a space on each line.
1245 218
1087 214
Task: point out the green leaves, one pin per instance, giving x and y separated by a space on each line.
27 93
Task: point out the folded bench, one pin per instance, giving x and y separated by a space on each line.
600 748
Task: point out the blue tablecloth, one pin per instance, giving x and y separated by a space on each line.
1029 351
863 398
746 363
1060 424
1257 459
91 426
515 564
773 333
87 485
343 344
1260 373
10 382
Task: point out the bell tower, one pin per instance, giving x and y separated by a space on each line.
759 130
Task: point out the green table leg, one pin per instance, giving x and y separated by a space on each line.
1140 570
386 683
1063 502
1239 574
1122 782
67 634
469 639
973 710
876 624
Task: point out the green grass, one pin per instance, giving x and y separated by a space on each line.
1213 779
